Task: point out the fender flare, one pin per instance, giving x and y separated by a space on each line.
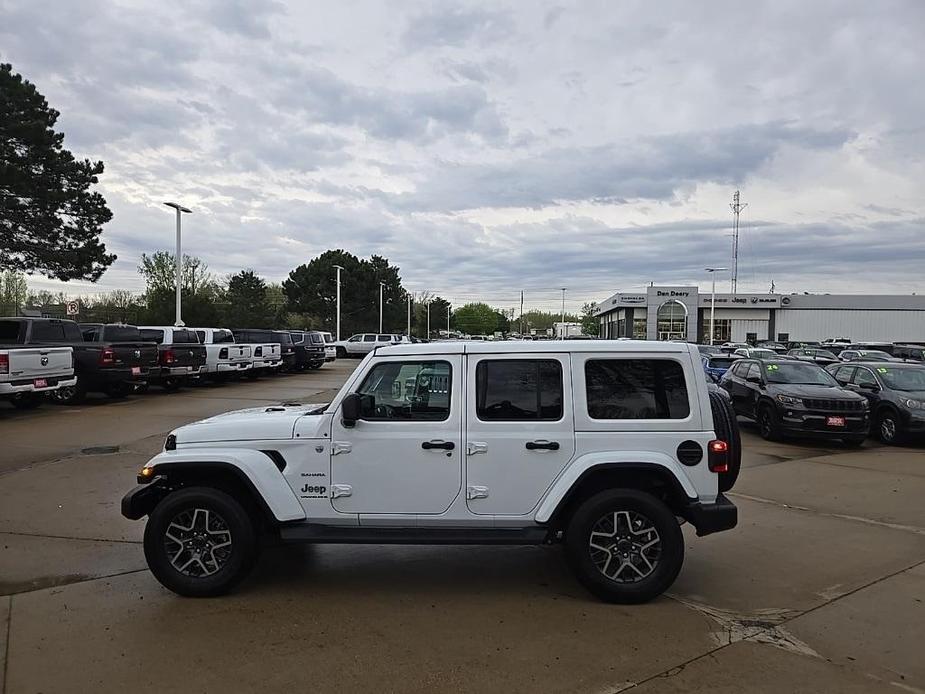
589 462
255 468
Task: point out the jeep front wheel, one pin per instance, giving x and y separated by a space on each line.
200 542
625 546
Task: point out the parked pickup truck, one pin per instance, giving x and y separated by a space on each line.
224 357
310 350
27 373
603 446
180 357
267 350
100 367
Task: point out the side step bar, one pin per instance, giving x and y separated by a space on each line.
330 534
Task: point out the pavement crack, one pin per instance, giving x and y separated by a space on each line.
76 581
68 537
841 516
6 654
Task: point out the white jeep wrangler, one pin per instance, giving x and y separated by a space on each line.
604 446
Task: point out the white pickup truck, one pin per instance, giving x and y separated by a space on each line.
224 357
27 373
603 446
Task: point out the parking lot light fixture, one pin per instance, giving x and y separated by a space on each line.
338 268
713 271
179 259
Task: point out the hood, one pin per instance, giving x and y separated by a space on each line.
252 424
805 390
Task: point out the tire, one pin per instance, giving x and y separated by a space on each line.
726 428
141 388
117 391
217 569
341 353
888 427
253 374
602 516
768 425
170 384
70 395
854 441
27 401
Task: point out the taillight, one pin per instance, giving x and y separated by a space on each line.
4 363
223 353
107 356
258 351
167 357
718 456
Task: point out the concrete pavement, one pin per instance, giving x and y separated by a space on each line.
820 588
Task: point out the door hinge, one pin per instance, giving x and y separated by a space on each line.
476 447
473 491
339 490
338 447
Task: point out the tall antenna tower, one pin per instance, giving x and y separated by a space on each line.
737 207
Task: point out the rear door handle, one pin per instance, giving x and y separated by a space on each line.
445 445
542 445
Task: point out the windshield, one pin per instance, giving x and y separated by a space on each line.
283 338
721 362
902 379
824 353
121 333
798 372
762 353
328 337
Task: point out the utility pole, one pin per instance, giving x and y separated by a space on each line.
563 308
448 321
521 312
737 207
381 285
409 316
428 320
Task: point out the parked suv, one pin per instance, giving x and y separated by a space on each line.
896 393
599 445
822 357
362 344
796 398
866 355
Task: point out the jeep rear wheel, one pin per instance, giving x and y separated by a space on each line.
625 546
200 542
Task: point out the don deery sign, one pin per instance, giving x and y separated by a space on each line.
743 300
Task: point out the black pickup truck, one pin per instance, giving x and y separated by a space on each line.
109 365
180 355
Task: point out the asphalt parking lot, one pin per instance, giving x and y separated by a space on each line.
821 588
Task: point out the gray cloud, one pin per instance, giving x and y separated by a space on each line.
454 26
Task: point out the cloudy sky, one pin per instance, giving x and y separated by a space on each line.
491 147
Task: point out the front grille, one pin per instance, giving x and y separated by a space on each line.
833 405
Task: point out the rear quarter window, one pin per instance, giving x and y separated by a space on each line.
636 389
9 331
152 335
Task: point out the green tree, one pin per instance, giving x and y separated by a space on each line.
590 324
50 219
438 308
246 302
13 292
543 320
476 319
201 295
311 291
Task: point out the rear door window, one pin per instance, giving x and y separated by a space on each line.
385 338
50 331
636 389
184 337
369 338
9 331
518 390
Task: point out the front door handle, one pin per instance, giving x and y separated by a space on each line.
445 445
542 445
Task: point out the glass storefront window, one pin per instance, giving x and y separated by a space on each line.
722 330
672 321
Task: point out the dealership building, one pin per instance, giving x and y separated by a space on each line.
683 313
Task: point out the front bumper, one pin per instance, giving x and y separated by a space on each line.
142 499
813 423
712 518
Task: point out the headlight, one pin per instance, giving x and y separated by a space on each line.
914 404
787 400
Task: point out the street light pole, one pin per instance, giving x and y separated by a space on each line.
409 316
564 331
381 285
448 321
179 267
713 271
338 268
428 320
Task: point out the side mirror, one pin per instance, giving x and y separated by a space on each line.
350 410
754 379
872 387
